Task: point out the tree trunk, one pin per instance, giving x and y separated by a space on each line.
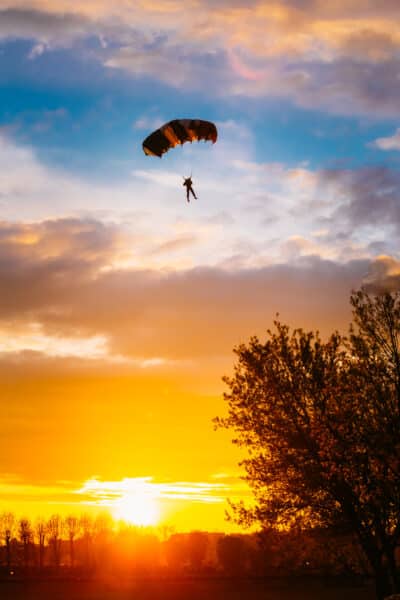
56 550
71 551
8 547
26 553
41 552
383 564
386 582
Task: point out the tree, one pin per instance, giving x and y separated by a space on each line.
102 527
7 523
197 542
86 525
321 423
71 525
40 532
25 535
175 551
54 531
231 554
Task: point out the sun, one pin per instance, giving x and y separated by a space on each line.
137 509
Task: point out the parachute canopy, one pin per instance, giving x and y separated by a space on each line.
177 132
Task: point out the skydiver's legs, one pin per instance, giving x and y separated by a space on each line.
192 190
187 194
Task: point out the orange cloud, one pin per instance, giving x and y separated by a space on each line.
384 275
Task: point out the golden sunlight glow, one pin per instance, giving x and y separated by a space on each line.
136 509
144 501
33 339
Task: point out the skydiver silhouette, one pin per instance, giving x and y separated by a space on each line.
188 183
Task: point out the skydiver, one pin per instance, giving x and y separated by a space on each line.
188 183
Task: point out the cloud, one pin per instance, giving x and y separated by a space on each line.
59 242
47 27
248 213
343 59
289 240
12 488
368 198
175 65
124 289
384 275
369 45
388 143
148 123
342 86
107 493
59 275
31 190
31 343
36 51
180 242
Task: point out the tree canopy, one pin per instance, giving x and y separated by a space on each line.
320 421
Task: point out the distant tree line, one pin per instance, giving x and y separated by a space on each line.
86 545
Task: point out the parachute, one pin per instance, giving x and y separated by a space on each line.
177 132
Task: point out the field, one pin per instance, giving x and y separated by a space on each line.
193 589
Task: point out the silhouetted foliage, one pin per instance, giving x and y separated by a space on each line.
147 554
197 542
231 553
175 551
321 423
120 551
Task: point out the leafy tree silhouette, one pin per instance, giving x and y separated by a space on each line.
231 553
321 422
197 543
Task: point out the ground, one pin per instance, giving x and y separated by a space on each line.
200 589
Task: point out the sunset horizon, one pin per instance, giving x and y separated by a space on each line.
128 280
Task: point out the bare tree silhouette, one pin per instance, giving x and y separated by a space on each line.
71 525
54 532
86 524
7 524
25 535
40 532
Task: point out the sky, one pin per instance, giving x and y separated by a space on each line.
121 303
